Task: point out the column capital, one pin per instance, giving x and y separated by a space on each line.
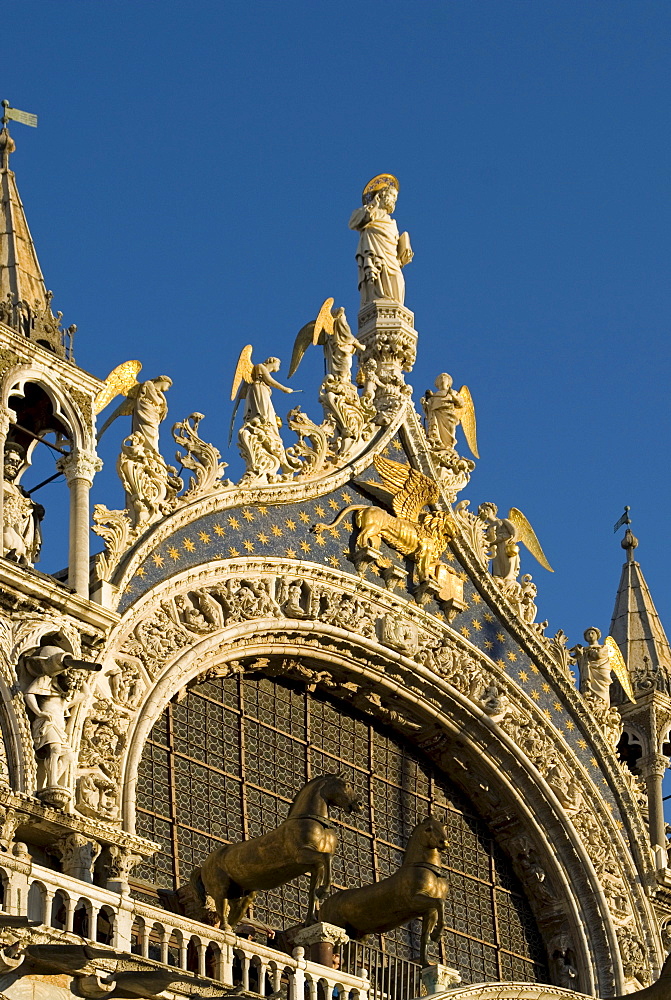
653 765
79 464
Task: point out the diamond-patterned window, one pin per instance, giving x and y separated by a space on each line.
224 763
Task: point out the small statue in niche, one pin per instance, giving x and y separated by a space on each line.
49 691
259 438
21 535
368 378
382 252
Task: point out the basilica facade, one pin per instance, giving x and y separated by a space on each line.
302 735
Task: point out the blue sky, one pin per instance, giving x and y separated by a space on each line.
195 166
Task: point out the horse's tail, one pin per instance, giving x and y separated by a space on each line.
343 513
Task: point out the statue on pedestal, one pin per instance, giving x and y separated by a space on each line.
21 535
259 438
382 252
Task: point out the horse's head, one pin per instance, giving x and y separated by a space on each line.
337 791
433 833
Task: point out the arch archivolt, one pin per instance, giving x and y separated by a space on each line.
387 657
13 385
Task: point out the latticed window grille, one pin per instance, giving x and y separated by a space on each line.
224 763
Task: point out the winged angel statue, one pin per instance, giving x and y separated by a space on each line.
150 484
259 438
145 402
445 409
503 535
596 663
332 331
421 535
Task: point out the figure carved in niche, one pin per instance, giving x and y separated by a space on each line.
49 691
259 438
597 663
21 536
445 409
381 253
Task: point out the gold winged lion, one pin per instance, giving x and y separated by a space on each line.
421 535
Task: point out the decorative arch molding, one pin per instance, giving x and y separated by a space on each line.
65 408
521 798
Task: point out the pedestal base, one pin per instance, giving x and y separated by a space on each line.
56 796
438 978
319 941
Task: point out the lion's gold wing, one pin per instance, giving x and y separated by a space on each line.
468 419
411 490
119 381
527 535
619 667
243 369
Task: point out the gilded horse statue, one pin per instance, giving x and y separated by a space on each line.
417 889
304 843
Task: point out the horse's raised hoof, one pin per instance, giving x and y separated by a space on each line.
322 892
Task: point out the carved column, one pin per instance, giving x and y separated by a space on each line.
387 329
5 423
77 854
79 469
119 863
653 768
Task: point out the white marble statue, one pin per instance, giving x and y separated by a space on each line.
332 331
259 438
502 535
445 409
48 697
21 535
594 664
144 402
382 252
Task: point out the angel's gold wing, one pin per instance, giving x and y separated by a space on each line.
313 332
324 321
468 419
527 535
303 340
243 369
619 667
119 381
410 490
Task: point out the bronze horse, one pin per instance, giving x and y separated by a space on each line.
304 843
660 990
417 889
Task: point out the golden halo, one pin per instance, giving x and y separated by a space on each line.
377 183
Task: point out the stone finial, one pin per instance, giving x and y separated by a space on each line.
629 543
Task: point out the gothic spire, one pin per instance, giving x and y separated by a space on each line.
636 626
25 303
